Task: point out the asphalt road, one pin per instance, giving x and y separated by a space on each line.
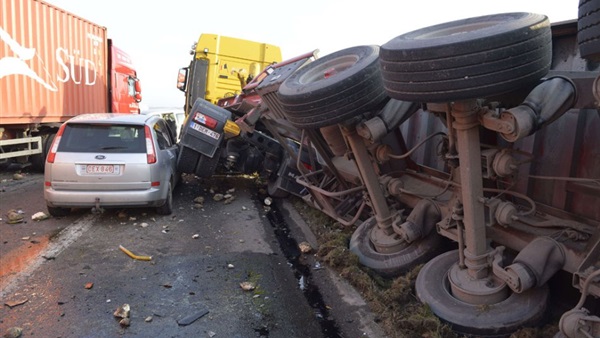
65 277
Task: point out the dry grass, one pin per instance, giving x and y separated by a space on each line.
393 301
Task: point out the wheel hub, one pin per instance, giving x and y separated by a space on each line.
476 291
386 243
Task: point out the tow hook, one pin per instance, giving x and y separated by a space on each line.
97 209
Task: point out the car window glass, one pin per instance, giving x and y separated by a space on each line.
103 138
162 135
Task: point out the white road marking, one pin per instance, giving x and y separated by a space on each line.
62 241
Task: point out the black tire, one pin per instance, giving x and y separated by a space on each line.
273 188
311 98
467 59
58 212
394 264
187 160
38 161
167 208
206 165
496 320
588 29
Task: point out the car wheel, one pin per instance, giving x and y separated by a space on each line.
467 59
588 29
334 88
498 320
167 208
58 212
392 264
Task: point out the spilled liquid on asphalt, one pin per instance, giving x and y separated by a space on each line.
302 272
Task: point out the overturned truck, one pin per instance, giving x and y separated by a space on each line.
476 154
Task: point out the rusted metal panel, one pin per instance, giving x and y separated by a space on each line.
52 63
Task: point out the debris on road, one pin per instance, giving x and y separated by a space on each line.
148 319
18 176
39 216
123 312
193 317
132 255
305 247
14 216
196 236
13 332
230 266
247 286
218 197
13 303
268 201
89 285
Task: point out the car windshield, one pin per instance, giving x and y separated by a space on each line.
82 138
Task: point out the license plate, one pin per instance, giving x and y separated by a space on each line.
205 130
101 169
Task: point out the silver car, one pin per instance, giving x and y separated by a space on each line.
109 161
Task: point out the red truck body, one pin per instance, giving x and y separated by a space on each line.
55 65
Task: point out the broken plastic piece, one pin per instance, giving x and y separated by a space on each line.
132 255
193 317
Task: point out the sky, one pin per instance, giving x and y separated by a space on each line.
158 35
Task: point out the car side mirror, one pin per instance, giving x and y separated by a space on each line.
182 79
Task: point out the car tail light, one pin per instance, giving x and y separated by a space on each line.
205 120
54 147
150 151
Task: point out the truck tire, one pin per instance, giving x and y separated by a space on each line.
38 161
588 29
206 165
467 59
498 320
334 88
187 160
392 264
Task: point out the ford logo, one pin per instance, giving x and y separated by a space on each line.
100 157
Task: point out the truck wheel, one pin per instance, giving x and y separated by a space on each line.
206 165
187 160
167 208
467 59
497 320
588 29
38 161
273 188
392 264
334 88
58 212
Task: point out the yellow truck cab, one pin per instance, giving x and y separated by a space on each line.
221 67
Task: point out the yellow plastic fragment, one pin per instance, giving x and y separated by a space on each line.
134 256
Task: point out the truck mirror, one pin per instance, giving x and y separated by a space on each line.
138 91
181 79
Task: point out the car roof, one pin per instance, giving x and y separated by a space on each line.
114 118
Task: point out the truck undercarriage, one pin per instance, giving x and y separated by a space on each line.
476 154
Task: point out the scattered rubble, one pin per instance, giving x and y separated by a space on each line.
247 286
89 285
13 303
14 216
13 332
305 247
39 216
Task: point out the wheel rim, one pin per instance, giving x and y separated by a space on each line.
328 69
502 318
